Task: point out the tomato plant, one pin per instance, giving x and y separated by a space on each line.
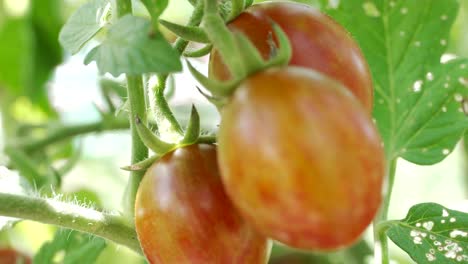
299 164
318 102
184 216
317 41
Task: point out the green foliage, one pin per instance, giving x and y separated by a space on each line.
29 50
417 98
84 24
131 48
432 233
70 247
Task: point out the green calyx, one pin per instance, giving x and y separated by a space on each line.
239 54
161 147
189 33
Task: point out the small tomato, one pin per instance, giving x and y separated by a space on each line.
301 158
184 216
317 42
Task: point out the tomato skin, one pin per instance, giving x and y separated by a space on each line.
184 216
301 159
317 41
11 256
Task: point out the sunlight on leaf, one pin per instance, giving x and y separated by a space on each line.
86 22
131 48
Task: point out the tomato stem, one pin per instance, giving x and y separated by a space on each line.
380 237
65 132
136 96
163 109
69 215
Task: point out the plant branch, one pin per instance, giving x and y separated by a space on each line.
180 45
66 132
380 237
136 96
71 216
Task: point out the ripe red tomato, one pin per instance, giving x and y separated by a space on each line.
11 256
184 216
301 158
317 41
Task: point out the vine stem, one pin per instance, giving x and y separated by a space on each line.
380 237
137 101
136 95
180 45
68 215
66 132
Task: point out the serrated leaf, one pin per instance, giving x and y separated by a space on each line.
84 24
12 182
431 233
131 48
415 106
71 246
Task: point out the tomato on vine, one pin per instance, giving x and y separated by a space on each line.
184 216
12 256
317 41
301 158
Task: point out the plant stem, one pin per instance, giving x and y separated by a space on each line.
137 99
136 96
161 103
66 132
69 215
380 237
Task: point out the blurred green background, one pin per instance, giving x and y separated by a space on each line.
40 83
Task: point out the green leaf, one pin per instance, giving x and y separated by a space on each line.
133 49
15 51
46 21
30 51
432 233
84 24
416 104
70 247
155 7
12 182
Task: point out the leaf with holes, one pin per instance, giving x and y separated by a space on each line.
417 98
132 48
86 22
432 233
11 182
70 247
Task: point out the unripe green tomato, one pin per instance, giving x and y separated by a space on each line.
301 158
184 216
317 43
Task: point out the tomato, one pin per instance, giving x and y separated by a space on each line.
11 256
184 216
317 41
301 158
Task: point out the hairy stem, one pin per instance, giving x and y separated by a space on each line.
380 237
68 215
136 96
67 132
180 45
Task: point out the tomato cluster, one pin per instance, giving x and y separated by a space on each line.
298 160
